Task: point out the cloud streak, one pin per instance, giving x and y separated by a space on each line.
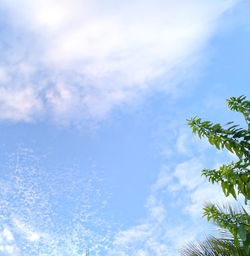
75 60
50 213
179 188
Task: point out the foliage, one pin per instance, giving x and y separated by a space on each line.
212 247
234 178
237 222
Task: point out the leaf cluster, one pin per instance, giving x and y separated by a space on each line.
234 178
237 222
212 247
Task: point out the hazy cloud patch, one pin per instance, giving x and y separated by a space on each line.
75 60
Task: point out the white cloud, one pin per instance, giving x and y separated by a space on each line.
26 231
6 235
51 211
89 56
188 174
149 237
178 188
208 193
186 178
157 234
7 242
157 210
139 240
19 104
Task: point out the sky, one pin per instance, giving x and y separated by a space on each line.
95 151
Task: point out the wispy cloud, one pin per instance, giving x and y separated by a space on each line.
7 242
43 213
31 213
180 188
158 233
19 104
72 60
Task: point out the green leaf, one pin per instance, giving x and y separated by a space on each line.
242 232
234 178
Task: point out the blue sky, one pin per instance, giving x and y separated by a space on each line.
94 147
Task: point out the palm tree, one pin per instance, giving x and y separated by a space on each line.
212 247
228 219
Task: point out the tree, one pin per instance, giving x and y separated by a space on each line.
212 247
234 179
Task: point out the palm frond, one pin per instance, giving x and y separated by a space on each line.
212 247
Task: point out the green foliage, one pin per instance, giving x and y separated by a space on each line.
241 105
237 222
234 178
212 247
